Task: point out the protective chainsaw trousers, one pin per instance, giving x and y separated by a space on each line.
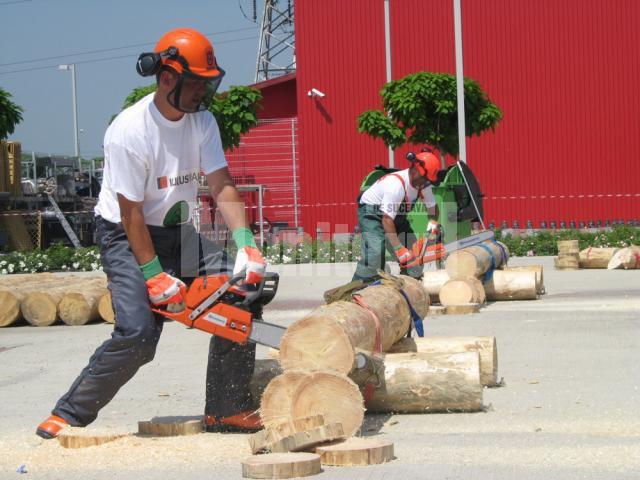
375 244
185 254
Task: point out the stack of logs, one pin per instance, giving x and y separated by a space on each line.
610 258
43 299
478 274
350 356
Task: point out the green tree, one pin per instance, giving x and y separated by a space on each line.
10 114
235 110
421 108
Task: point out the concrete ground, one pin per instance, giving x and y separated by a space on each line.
569 407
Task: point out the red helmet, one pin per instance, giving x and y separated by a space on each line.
428 165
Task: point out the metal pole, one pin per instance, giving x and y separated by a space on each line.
260 216
35 171
457 19
387 58
75 111
295 176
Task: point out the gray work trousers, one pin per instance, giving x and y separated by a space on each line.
184 253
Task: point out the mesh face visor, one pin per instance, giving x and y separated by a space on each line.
194 93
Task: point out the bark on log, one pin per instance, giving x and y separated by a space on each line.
594 257
485 346
281 465
539 275
474 261
568 247
567 262
80 307
105 308
356 451
626 258
511 285
432 281
429 382
330 337
462 291
297 394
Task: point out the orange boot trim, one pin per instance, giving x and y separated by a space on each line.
243 421
51 427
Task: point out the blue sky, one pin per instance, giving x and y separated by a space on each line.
45 33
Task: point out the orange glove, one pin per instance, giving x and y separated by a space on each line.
404 255
417 247
164 289
251 260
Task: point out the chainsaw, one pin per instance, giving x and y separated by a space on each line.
437 251
216 304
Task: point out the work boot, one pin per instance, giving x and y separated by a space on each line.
51 427
240 422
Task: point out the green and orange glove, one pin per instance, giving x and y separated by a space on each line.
249 257
404 256
163 288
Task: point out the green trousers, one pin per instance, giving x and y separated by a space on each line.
375 244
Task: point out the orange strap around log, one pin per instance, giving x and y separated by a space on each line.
370 384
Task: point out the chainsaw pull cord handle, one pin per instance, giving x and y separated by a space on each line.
373 381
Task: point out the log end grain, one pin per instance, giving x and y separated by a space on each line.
356 451
275 403
74 309
10 309
105 308
281 465
39 309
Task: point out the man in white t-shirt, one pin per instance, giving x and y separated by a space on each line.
154 153
382 216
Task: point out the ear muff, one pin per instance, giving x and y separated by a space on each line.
149 63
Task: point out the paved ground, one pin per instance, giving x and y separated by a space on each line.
568 410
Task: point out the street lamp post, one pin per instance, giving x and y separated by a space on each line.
72 67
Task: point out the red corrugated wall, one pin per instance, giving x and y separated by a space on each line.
564 73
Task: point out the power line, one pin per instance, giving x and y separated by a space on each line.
104 59
103 50
14 1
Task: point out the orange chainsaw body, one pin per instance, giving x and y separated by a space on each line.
220 319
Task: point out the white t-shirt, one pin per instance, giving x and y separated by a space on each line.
390 193
157 161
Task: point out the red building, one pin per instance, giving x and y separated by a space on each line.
563 72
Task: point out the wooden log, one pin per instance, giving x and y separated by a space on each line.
459 291
281 465
330 336
10 311
419 298
80 307
275 402
568 247
356 451
261 440
264 371
40 308
511 285
170 426
485 346
539 275
429 382
625 258
305 439
72 437
432 281
24 278
567 262
437 310
105 308
462 309
594 257
474 261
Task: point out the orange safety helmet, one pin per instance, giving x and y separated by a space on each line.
427 164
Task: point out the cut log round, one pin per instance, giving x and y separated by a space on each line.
429 382
476 260
432 281
306 439
568 247
80 307
330 336
171 426
261 441
40 308
264 371
625 258
275 403
485 346
511 285
105 308
462 309
594 257
567 262
356 451
72 437
10 312
281 465
539 275
459 291
336 397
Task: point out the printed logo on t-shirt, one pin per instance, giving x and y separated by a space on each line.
181 178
